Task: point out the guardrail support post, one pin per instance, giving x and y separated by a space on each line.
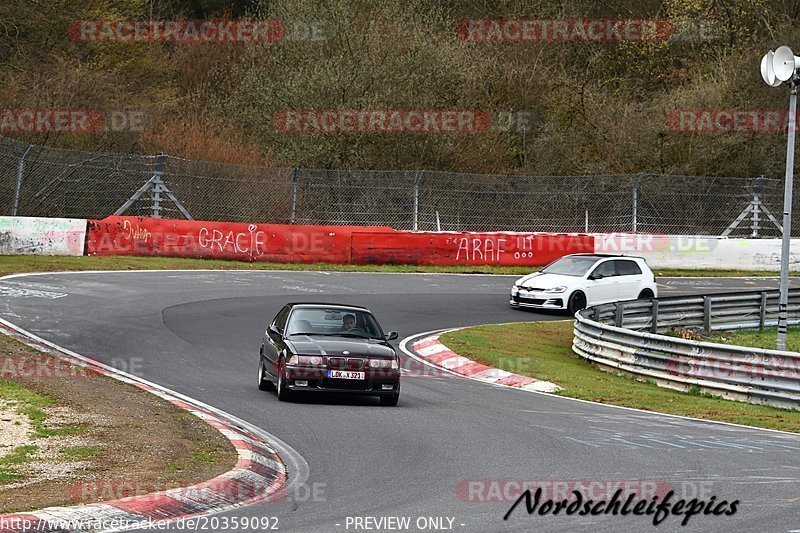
654 325
618 314
762 312
595 314
707 313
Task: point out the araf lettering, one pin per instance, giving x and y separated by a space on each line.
480 249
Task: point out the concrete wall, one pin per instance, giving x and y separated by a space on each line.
42 236
672 251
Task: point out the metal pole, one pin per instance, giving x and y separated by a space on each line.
783 303
755 219
635 200
417 180
294 195
20 172
156 207
586 220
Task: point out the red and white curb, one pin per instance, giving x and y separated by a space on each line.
433 351
258 476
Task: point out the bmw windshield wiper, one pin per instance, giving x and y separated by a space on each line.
338 334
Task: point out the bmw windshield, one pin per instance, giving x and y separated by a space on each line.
333 322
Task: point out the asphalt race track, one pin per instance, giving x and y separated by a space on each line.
198 333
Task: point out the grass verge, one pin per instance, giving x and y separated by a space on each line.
757 339
10 264
544 350
86 428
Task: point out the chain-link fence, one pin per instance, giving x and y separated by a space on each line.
43 181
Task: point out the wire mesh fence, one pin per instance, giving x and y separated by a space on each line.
44 181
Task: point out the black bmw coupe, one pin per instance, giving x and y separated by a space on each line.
328 347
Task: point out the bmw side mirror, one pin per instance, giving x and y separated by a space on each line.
276 330
392 335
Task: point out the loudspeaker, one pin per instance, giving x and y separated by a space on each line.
784 63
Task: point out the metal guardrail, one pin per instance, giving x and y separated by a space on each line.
624 337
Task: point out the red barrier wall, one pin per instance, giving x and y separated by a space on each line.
508 249
220 240
328 244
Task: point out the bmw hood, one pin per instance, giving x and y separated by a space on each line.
538 280
336 346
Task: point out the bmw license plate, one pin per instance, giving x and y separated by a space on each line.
345 374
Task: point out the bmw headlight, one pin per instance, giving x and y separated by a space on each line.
384 363
305 360
554 290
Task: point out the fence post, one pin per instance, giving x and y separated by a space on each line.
417 182
619 314
654 325
159 170
762 313
635 201
293 215
20 172
707 313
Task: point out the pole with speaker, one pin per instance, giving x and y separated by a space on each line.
777 67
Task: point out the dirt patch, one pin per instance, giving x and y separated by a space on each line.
96 431
15 429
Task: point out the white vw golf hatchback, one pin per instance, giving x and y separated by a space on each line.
576 281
